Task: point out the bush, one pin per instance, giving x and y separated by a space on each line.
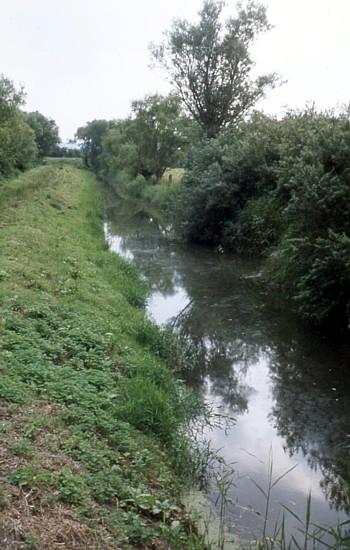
280 188
137 186
257 229
316 274
223 174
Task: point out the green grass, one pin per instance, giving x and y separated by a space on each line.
93 413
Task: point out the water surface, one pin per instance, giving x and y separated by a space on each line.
287 388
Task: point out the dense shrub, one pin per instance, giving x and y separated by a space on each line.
257 228
313 259
223 174
279 188
315 273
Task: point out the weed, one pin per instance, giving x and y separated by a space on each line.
24 448
31 541
308 536
5 426
31 476
71 487
224 483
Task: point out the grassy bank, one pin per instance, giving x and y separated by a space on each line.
91 414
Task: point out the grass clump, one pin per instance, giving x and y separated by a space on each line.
24 448
92 412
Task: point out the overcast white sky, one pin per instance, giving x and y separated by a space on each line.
86 59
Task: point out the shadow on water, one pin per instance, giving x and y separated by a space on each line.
286 386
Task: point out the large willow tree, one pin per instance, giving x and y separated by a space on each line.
210 66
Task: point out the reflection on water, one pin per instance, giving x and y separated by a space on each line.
287 388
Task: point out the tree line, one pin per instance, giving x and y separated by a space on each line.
25 138
139 148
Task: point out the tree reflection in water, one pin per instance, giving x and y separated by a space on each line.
311 413
228 324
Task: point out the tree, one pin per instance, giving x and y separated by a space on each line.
11 98
146 143
17 141
17 145
209 64
119 152
46 133
92 136
158 129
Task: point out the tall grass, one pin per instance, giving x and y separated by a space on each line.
307 534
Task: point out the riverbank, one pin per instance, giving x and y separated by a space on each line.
90 411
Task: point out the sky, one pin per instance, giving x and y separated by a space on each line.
86 59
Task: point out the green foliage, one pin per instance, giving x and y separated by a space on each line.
257 228
31 541
119 153
11 98
209 64
17 140
223 174
23 448
146 406
17 145
158 130
136 187
46 133
162 197
71 487
128 152
31 477
5 426
62 151
92 136
316 274
312 261
279 189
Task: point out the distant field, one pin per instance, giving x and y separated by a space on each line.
72 161
176 173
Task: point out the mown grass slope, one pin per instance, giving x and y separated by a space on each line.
90 414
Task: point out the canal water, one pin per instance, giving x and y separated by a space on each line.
286 388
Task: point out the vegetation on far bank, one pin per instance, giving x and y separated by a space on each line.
254 184
93 421
279 189
276 189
